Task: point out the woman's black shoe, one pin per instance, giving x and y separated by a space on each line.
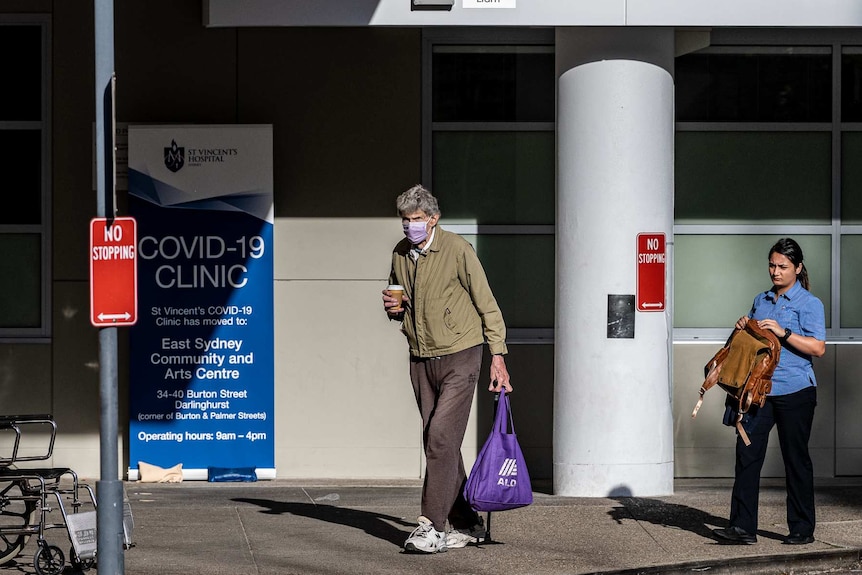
797 539
735 535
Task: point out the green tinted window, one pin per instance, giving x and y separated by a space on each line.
753 177
21 62
520 270
716 277
851 84
20 281
493 84
851 178
495 177
21 165
765 84
851 279
24 152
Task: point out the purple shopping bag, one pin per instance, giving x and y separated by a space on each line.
499 478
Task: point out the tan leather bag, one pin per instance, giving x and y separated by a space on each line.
743 368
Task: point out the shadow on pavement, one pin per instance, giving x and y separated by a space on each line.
375 524
849 496
674 515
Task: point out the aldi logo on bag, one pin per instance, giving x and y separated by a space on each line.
508 472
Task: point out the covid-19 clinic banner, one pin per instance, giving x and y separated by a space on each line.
202 374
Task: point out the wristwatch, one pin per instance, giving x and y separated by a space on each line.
787 333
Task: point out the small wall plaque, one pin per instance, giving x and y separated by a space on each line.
621 316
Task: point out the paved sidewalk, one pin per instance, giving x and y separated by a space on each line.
338 527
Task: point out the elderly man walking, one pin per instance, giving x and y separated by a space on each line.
447 312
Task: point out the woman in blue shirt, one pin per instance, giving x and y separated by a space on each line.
794 315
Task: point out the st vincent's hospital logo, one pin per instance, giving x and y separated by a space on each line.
175 157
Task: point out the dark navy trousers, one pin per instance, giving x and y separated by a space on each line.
793 415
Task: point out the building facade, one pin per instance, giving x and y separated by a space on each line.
552 132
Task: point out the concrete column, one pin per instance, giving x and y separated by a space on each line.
613 428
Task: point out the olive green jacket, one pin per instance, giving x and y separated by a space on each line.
451 306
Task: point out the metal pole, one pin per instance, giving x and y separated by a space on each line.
109 496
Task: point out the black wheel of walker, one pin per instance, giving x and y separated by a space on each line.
80 564
49 560
16 512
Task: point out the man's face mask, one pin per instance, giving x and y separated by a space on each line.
416 232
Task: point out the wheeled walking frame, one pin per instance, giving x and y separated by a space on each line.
27 495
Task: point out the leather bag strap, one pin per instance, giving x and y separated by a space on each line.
711 379
741 430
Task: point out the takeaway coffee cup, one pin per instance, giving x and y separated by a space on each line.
397 292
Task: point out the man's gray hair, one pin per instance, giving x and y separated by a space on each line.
417 199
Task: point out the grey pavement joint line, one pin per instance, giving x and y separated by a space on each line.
844 522
247 542
640 524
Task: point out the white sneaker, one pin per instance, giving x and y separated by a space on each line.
458 538
426 539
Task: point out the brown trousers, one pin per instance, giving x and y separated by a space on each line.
444 389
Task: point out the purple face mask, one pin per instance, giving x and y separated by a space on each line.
416 232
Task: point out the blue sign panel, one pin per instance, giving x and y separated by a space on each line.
202 356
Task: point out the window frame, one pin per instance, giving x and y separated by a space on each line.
41 333
720 40
758 40
466 37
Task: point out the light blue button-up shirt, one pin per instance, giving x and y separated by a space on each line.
803 314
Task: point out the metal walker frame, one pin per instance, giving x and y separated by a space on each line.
27 495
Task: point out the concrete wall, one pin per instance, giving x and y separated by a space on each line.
705 448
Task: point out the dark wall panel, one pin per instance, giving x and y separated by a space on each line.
73 114
345 104
169 67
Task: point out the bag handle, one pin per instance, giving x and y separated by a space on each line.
503 414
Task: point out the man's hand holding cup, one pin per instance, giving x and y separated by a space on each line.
393 299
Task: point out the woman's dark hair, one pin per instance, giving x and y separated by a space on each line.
788 248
